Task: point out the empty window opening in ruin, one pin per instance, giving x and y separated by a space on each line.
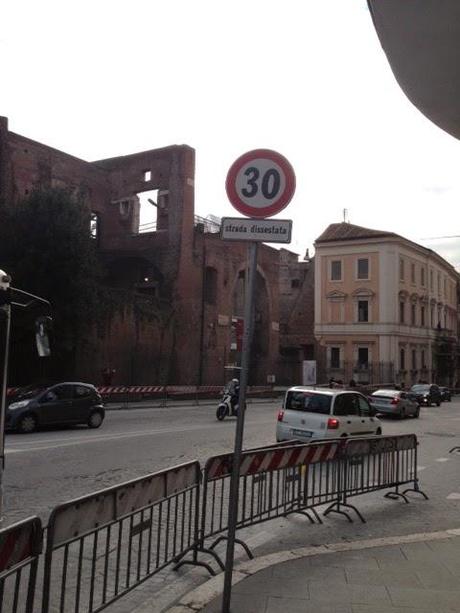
147 175
94 226
148 210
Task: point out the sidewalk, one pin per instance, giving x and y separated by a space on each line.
419 572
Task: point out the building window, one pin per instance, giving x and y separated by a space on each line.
412 273
147 175
363 268
412 315
295 283
363 358
422 356
431 279
402 359
363 310
210 285
401 269
335 357
401 312
414 359
439 283
432 317
422 276
336 270
422 316
94 226
445 287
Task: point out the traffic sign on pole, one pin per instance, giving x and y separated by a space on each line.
260 183
262 230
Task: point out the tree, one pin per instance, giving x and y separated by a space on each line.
46 245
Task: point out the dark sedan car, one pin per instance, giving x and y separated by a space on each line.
427 394
445 394
61 404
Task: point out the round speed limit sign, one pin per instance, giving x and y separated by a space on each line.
260 183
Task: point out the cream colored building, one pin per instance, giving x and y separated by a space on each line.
386 308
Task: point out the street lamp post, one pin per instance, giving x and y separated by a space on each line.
5 306
24 300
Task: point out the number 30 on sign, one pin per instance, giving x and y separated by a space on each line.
260 183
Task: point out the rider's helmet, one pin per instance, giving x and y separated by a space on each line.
235 381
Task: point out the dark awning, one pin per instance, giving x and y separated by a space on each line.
421 39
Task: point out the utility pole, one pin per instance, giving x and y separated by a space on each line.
5 306
11 296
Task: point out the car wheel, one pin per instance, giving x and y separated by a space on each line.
402 414
378 432
95 419
438 404
417 412
27 424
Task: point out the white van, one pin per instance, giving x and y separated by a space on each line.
310 414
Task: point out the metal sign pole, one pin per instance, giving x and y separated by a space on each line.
7 310
235 476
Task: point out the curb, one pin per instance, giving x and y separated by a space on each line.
201 596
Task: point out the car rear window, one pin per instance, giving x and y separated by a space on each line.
385 393
420 388
308 402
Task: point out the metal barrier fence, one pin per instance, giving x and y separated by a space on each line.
373 464
20 548
276 482
99 547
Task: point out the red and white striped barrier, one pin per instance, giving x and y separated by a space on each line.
131 389
272 459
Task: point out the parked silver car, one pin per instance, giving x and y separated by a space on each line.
395 402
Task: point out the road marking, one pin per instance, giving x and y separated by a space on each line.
56 444
442 459
453 496
421 467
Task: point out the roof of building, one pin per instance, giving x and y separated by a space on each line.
347 231
338 232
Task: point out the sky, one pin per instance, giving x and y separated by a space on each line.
306 78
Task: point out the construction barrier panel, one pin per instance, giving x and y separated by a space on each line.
101 546
377 463
20 548
274 482
297 479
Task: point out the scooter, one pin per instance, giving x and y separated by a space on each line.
225 407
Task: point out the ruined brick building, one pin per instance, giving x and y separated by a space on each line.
196 279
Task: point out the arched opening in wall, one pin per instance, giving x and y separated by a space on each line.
260 358
136 274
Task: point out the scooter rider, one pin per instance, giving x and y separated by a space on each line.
233 388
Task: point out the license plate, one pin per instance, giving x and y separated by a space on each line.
304 433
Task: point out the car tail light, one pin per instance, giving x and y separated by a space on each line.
280 415
395 401
332 423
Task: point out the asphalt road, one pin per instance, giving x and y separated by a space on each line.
46 468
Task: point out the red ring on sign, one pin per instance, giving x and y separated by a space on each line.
283 199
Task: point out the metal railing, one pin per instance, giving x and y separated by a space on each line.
101 546
276 482
20 548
